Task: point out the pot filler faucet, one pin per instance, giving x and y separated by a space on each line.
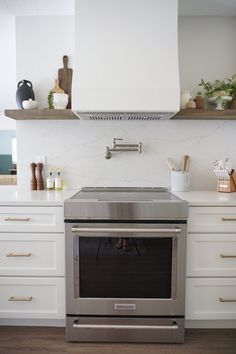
122 147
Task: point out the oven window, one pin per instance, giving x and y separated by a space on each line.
125 267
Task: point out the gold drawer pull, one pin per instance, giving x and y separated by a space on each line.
221 299
228 219
17 219
19 298
228 256
19 254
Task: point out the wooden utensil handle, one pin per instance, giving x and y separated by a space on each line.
65 61
185 163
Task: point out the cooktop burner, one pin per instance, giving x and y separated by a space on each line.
125 203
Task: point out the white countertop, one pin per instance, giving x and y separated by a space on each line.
208 198
34 198
14 196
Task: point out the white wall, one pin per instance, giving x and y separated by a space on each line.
207 49
41 42
78 147
7 70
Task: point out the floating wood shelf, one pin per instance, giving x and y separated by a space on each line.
60 114
206 114
43 114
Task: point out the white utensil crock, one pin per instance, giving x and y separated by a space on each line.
180 181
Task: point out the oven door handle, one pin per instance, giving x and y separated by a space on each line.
107 326
124 230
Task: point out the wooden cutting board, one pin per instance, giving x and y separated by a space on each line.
65 78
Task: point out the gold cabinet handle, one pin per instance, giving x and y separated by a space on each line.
228 256
17 219
228 219
19 254
221 299
20 298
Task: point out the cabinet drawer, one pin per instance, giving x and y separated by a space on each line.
211 255
32 298
32 254
211 299
212 219
27 219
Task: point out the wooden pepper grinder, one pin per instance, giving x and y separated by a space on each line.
40 184
33 178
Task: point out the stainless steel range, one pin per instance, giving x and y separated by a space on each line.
125 265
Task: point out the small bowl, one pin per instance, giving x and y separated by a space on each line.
30 104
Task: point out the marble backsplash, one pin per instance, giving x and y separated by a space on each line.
78 148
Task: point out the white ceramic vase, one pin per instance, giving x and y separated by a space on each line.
60 100
220 101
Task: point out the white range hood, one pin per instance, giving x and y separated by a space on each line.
126 59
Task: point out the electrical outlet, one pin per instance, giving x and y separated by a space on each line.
40 158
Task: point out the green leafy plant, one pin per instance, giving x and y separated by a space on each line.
50 100
217 88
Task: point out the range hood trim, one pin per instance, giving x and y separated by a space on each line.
128 115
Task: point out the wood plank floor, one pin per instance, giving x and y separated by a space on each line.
48 340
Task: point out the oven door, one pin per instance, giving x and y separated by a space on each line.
125 269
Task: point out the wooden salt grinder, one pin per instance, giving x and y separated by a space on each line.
33 178
40 184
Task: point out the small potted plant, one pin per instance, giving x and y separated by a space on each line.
220 92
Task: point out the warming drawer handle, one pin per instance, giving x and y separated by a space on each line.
124 230
20 298
228 219
91 326
221 299
228 256
17 219
19 254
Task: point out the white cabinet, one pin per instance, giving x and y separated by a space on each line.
211 298
32 262
212 219
32 298
211 255
211 264
27 219
29 254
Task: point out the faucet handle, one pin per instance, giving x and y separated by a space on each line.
115 140
140 147
107 153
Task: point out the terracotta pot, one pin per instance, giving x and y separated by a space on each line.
200 102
